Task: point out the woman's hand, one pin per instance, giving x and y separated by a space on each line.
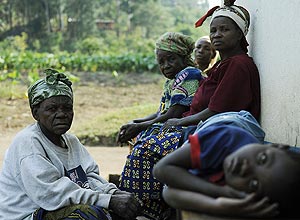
124 204
129 131
249 206
171 123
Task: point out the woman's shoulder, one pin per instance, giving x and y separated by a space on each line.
238 63
27 133
243 59
189 73
26 142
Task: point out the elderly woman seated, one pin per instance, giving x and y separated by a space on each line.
48 174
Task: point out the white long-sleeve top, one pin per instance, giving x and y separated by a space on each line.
33 176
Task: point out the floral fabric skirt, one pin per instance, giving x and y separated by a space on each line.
136 177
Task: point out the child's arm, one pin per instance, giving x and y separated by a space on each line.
201 203
173 170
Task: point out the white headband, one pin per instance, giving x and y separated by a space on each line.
236 14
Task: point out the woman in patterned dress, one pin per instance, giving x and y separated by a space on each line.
173 52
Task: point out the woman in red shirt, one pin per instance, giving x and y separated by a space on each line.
233 83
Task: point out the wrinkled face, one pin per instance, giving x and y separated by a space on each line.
203 51
170 63
258 168
224 34
54 115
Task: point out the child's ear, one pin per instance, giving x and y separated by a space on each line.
34 112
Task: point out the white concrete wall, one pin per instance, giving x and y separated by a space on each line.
274 40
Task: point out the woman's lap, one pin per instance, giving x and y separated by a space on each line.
74 212
137 173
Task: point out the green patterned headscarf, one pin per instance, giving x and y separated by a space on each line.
177 43
54 84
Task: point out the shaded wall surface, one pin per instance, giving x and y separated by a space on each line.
274 40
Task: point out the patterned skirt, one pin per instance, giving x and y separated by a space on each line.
137 176
73 212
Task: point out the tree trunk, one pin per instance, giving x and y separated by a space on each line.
49 28
60 17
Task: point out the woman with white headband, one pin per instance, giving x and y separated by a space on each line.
234 83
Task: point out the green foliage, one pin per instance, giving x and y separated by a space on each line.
54 25
89 45
25 66
63 34
82 13
14 44
51 42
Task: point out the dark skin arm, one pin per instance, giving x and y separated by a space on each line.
147 118
249 207
177 164
190 192
189 120
131 130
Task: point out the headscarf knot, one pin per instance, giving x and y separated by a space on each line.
54 84
237 13
53 77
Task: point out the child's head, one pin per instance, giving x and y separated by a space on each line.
173 53
269 170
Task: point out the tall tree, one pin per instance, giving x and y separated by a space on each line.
153 22
81 17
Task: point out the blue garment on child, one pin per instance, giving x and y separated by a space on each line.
242 119
215 143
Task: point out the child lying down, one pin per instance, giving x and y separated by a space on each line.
224 170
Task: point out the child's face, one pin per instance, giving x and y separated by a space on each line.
169 63
258 168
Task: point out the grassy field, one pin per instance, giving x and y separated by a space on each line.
102 104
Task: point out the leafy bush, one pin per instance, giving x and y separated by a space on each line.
89 45
14 44
93 54
25 65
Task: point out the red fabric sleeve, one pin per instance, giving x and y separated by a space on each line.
195 151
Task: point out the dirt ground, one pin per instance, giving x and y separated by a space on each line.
93 95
